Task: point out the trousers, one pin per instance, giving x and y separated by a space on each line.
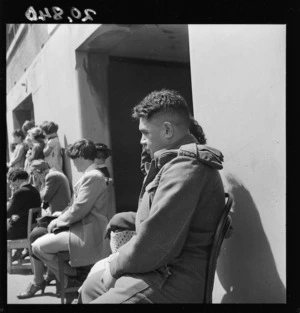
129 290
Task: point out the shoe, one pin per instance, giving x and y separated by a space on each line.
17 256
31 290
24 255
75 301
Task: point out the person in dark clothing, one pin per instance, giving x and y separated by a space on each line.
25 197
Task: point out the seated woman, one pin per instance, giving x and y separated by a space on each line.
24 197
81 227
55 192
52 149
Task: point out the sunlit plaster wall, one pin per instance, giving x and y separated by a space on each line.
238 82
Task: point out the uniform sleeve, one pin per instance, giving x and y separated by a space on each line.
162 235
91 188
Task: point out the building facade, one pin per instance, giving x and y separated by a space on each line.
87 78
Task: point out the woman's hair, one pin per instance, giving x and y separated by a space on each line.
26 126
82 148
17 174
197 131
36 133
103 152
49 127
18 133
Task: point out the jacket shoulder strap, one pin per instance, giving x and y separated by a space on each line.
189 150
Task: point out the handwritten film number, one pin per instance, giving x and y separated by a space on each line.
58 14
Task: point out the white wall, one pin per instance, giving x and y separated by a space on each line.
238 82
53 82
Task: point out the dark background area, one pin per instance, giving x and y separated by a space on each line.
134 79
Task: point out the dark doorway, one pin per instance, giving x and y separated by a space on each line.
130 80
24 111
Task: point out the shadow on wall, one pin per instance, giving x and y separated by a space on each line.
246 267
67 165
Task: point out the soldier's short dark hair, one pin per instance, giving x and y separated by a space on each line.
163 101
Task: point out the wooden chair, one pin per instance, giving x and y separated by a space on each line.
223 231
63 257
22 243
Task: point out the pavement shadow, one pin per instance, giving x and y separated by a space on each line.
49 294
246 266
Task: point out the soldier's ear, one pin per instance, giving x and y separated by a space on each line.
169 129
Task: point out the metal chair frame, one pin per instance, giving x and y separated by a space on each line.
222 231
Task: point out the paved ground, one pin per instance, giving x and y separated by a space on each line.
18 282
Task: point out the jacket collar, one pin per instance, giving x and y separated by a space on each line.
163 156
91 167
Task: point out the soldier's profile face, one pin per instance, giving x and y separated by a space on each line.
152 134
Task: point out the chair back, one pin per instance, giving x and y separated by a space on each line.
222 228
111 200
32 215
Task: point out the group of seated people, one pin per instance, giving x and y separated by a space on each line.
157 254
29 144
